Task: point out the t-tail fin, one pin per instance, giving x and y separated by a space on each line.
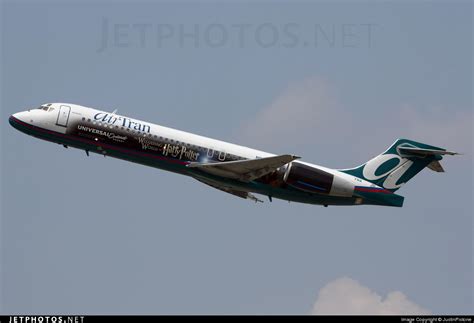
399 163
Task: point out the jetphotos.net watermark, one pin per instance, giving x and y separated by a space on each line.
46 319
148 35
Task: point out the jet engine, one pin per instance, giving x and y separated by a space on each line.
315 180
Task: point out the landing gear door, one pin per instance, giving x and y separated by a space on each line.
63 115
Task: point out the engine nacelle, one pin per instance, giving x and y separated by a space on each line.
315 180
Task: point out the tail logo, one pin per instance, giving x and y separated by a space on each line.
390 164
399 163
380 166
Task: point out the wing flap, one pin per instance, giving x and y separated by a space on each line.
224 188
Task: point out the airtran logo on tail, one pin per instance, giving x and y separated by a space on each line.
383 165
121 121
389 164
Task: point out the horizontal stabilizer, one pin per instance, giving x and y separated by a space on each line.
436 166
423 152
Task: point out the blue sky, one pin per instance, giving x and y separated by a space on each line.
335 83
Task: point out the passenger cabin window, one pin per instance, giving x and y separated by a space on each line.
221 156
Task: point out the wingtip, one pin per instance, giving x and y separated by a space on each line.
452 153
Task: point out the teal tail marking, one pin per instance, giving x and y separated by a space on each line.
398 164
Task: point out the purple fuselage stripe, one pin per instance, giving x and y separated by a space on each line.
53 133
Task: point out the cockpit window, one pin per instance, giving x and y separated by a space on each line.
46 108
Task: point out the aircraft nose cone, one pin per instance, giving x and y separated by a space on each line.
16 119
11 120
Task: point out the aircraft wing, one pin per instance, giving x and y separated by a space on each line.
245 170
224 188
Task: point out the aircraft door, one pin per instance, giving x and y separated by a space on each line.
63 115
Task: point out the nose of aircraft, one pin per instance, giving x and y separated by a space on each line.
16 118
12 120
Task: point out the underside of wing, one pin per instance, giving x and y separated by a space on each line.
245 170
224 188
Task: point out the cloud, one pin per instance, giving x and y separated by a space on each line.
347 296
309 113
303 110
440 126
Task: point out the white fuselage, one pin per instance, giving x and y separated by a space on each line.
89 125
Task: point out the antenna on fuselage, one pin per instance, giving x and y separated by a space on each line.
114 112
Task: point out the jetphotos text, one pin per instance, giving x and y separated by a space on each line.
121 121
46 319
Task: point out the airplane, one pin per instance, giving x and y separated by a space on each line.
231 168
